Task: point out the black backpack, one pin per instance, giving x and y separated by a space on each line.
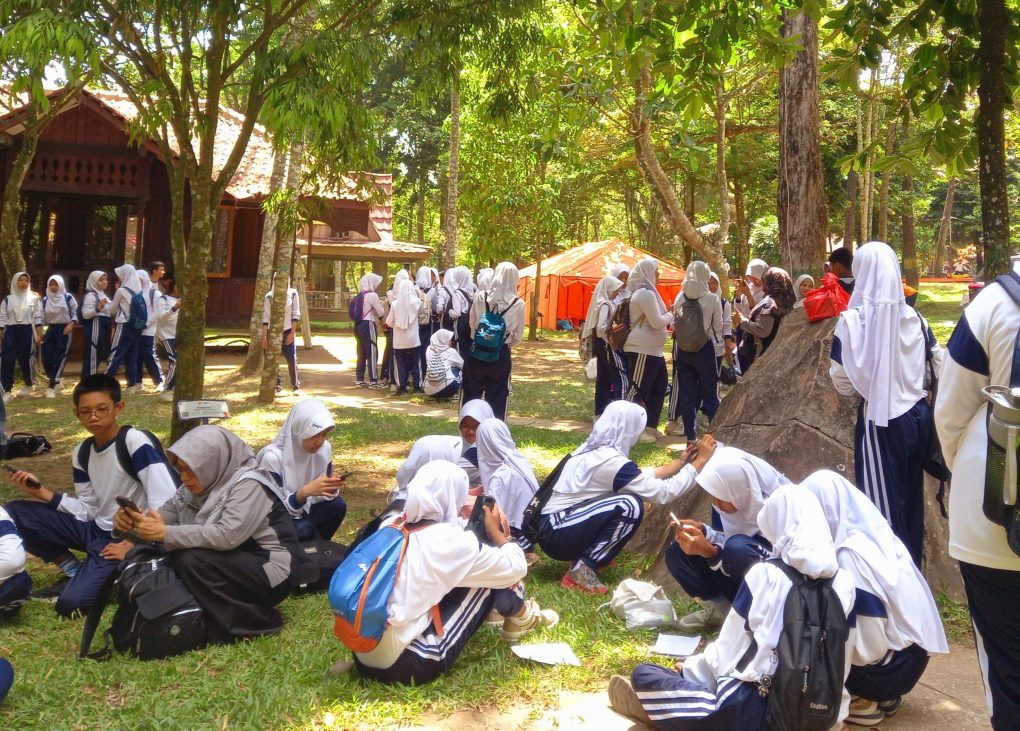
156 617
689 326
533 512
123 453
934 461
806 691
21 444
619 326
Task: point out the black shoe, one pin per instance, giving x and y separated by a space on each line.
51 592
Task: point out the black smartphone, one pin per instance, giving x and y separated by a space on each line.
30 482
127 503
476 523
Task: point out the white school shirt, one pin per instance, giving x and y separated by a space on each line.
514 318
33 315
980 354
90 306
12 551
270 460
605 315
618 474
152 310
166 328
120 305
403 338
291 311
60 313
372 309
95 490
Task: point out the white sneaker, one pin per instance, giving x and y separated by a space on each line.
25 391
160 387
710 616
8 396
649 435
137 388
534 617
50 393
167 395
674 428
59 387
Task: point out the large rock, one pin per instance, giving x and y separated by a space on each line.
787 412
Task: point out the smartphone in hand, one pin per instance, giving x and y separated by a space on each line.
31 482
127 503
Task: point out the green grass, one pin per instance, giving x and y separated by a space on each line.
940 305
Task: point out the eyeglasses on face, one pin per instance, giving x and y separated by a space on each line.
100 411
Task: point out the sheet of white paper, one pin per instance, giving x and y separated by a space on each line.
551 653
675 645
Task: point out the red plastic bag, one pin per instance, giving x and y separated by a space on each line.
827 301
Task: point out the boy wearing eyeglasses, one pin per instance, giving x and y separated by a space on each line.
114 461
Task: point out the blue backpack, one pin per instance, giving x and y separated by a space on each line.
361 586
138 315
356 307
490 334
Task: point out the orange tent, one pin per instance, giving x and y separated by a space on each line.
569 279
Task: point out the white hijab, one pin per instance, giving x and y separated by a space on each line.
620 269
92 283
56 300
603 294
504 286
128 277
406 305
498 457
424 279
643 277
438 557
800 280
884 349
439 342
21 299
614 433
695 283
306 420
793 522
369 283
734 476
879 562
427 449
478 409
144 283
756 268
484 279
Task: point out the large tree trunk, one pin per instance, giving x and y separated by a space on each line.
743 234
284 255
909 236
883 197
10 241
662 188
803 219
945 229
420 217
993 20
850 214
720 166
264 274
448 255
533 325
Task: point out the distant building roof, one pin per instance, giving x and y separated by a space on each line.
595 259
364 250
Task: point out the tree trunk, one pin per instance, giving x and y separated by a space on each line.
803 219
945 228
883 197
720 166
448 255
10 242
909 236
284 254
420 218
533 326
867 177
743 235
993 20
264 274
850 215
661 187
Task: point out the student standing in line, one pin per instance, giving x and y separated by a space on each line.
443 367
424 282
300 461
597 503
403 321
721 688
898 622
291 320
60 315
880 349
491 380
508 477
147 358
15 583
20 318
125 335
389 366
52 524
984 351
484 279
649 318
458 305
761 327
367 331
611 381
95 313
168 306
725 344
709 561
697 318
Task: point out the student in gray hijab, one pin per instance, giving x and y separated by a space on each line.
229 537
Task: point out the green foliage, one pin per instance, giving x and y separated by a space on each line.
765 239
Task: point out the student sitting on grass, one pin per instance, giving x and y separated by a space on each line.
446 567
15 583
230 539
443 367
721 688
115 461
597 502
710 562
299 460
472 414
507 477
427 449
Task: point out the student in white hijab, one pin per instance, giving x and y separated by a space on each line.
403 321
288 343
622 272
95 314
720 689
697 318
389 362
484 279
725 342
490 380
426 325
802 285
597 501
710 561
430 448
506 476
126 337
880 350
299 459
454 303
60 316
611 379
20 318
649 318
472 414
368 311
749 290
448 584
443 366
898 622
147 358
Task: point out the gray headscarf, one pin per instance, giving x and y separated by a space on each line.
219 459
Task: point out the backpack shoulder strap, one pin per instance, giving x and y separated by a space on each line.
516 299
1011 283
84 453
123 453
791 573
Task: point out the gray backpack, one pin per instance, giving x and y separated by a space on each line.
689 326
